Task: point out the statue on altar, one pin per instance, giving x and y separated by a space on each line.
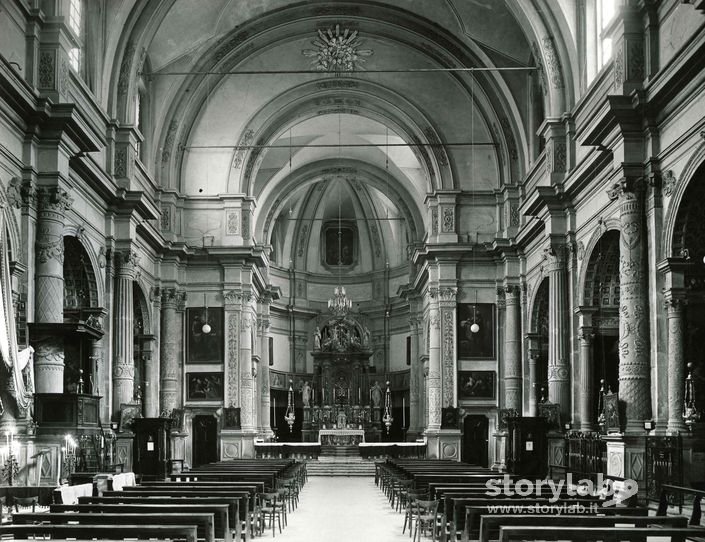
376 395
342 421
306 394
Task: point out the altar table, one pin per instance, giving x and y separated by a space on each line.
341 437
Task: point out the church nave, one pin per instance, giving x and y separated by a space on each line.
343 509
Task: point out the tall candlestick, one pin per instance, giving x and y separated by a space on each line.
403 412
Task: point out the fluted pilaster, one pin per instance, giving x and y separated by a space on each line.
169 350
676 363
415 415
587 416
263 374
512 349
558 322
123 361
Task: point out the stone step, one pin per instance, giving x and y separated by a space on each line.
340 468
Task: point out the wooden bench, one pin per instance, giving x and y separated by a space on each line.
606 534
235 517
187 533
473 514
219 512
204 522
490 525
670 489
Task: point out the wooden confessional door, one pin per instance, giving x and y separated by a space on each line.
476 435
205 440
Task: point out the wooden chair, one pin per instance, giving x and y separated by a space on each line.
25 502
271 508
410 514
426 517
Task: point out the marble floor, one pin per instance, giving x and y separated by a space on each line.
343 509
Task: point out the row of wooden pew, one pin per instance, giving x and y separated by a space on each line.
452 501
226 501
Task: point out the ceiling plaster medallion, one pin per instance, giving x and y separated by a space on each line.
337 51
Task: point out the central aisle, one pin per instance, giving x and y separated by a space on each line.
342 509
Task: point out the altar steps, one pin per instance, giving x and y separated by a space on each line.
339 451
342 467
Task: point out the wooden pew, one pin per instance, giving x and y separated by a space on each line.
670 489
607 534
490 525
456 514
234 516
187 533
204 522
219 512
473 514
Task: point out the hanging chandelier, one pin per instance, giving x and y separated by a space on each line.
387 418
340 305
289 416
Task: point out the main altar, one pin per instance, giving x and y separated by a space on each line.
344 403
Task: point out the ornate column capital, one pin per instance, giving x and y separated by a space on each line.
586 336
674 304
627 188
233 297
128 261
172 297
555 256
53 199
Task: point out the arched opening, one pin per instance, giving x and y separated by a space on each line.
689 244
539 321
143 349
80 308
602 293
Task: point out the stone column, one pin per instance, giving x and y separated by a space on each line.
247 413
49 284
512 349
152 373
124 363
634 363
587 393
415 414
264 327
434 399
169 351
558 322
676 362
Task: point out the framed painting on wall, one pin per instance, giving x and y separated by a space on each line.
478 345
204 386
205 347
476 385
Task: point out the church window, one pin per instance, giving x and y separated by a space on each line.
75 23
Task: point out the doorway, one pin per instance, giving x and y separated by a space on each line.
205 440
475 436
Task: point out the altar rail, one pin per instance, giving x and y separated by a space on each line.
294 450
367 450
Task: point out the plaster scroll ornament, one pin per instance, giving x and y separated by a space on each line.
337 50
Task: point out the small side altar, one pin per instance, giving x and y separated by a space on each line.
341 437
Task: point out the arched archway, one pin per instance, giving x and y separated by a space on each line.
81 309
146 386
601 295
538 349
